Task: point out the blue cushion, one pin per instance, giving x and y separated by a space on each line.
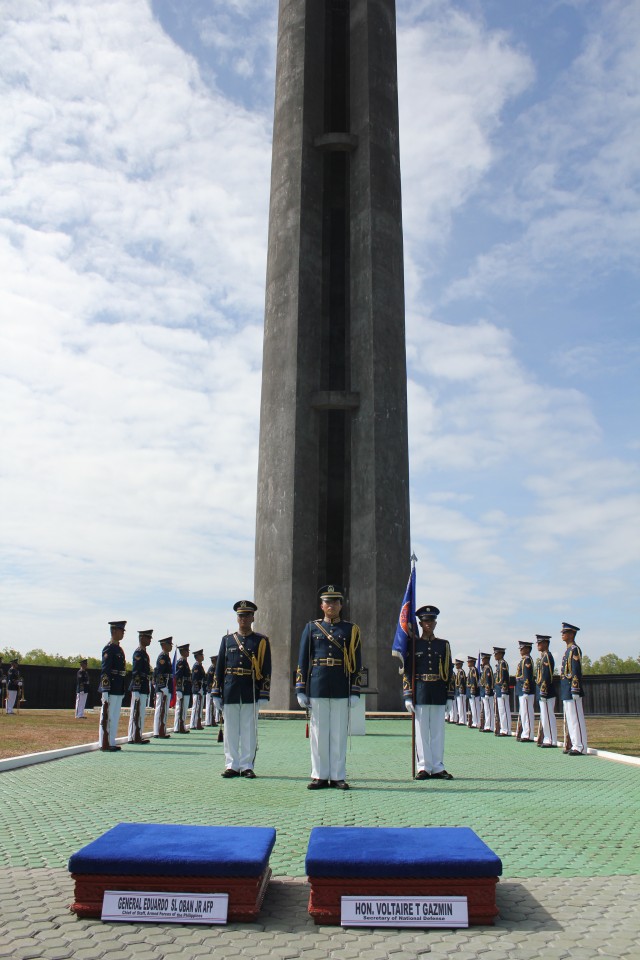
399 852
168 849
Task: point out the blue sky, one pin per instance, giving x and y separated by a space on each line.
134 178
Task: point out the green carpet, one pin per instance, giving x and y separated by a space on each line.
544 814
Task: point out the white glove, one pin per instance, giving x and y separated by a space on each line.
179 695
135 695
105 696
217 702
354 700
410 707
304 701
576 696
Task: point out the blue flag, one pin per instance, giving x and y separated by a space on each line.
406 622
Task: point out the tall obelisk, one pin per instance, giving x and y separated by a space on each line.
333 476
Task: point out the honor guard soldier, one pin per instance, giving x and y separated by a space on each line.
163 681
525 690
473 692
3 685
572 693
503 718
113 670
487 690
461 692
82 689
242 684
211 714
183 689
548 734
197 687
14 685
426 695
140 687
328 684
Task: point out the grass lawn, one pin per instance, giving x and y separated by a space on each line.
31 731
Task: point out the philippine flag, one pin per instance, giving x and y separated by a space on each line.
406 622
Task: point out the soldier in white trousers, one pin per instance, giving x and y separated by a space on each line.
82 689
502 693
328 683
546 693
460 686
525 691
242 682
183 689
572 693
473 692
113 671
140 688
487 686
163 682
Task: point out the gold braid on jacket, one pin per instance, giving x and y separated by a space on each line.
350 650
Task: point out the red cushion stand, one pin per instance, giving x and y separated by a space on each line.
396 862
175 858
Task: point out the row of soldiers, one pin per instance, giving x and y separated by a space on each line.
481 694
11 685
194 686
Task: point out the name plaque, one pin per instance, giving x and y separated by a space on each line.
404 912
136 906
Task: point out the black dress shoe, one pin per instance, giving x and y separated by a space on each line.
114 749
317 784
339 784
248 774
443 775
423 775
230 772
576 753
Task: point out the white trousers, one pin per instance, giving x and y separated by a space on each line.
462 709
161 711
115 705
474 706
135 731
240 735
526 716
12 696
196 711
81 701
209 711
430 737
489 712
504 714
328 729
574 718
182 707
548 720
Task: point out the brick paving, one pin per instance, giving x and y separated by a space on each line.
567 830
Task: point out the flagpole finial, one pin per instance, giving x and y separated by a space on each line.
413 558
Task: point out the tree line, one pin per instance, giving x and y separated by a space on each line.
609 663
39 657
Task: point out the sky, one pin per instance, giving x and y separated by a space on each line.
134 194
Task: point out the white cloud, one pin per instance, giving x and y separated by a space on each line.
569 181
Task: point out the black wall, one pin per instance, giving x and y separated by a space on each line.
54 688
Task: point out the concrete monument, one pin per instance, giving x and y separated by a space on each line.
333 477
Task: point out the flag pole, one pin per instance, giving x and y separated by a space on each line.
413 683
